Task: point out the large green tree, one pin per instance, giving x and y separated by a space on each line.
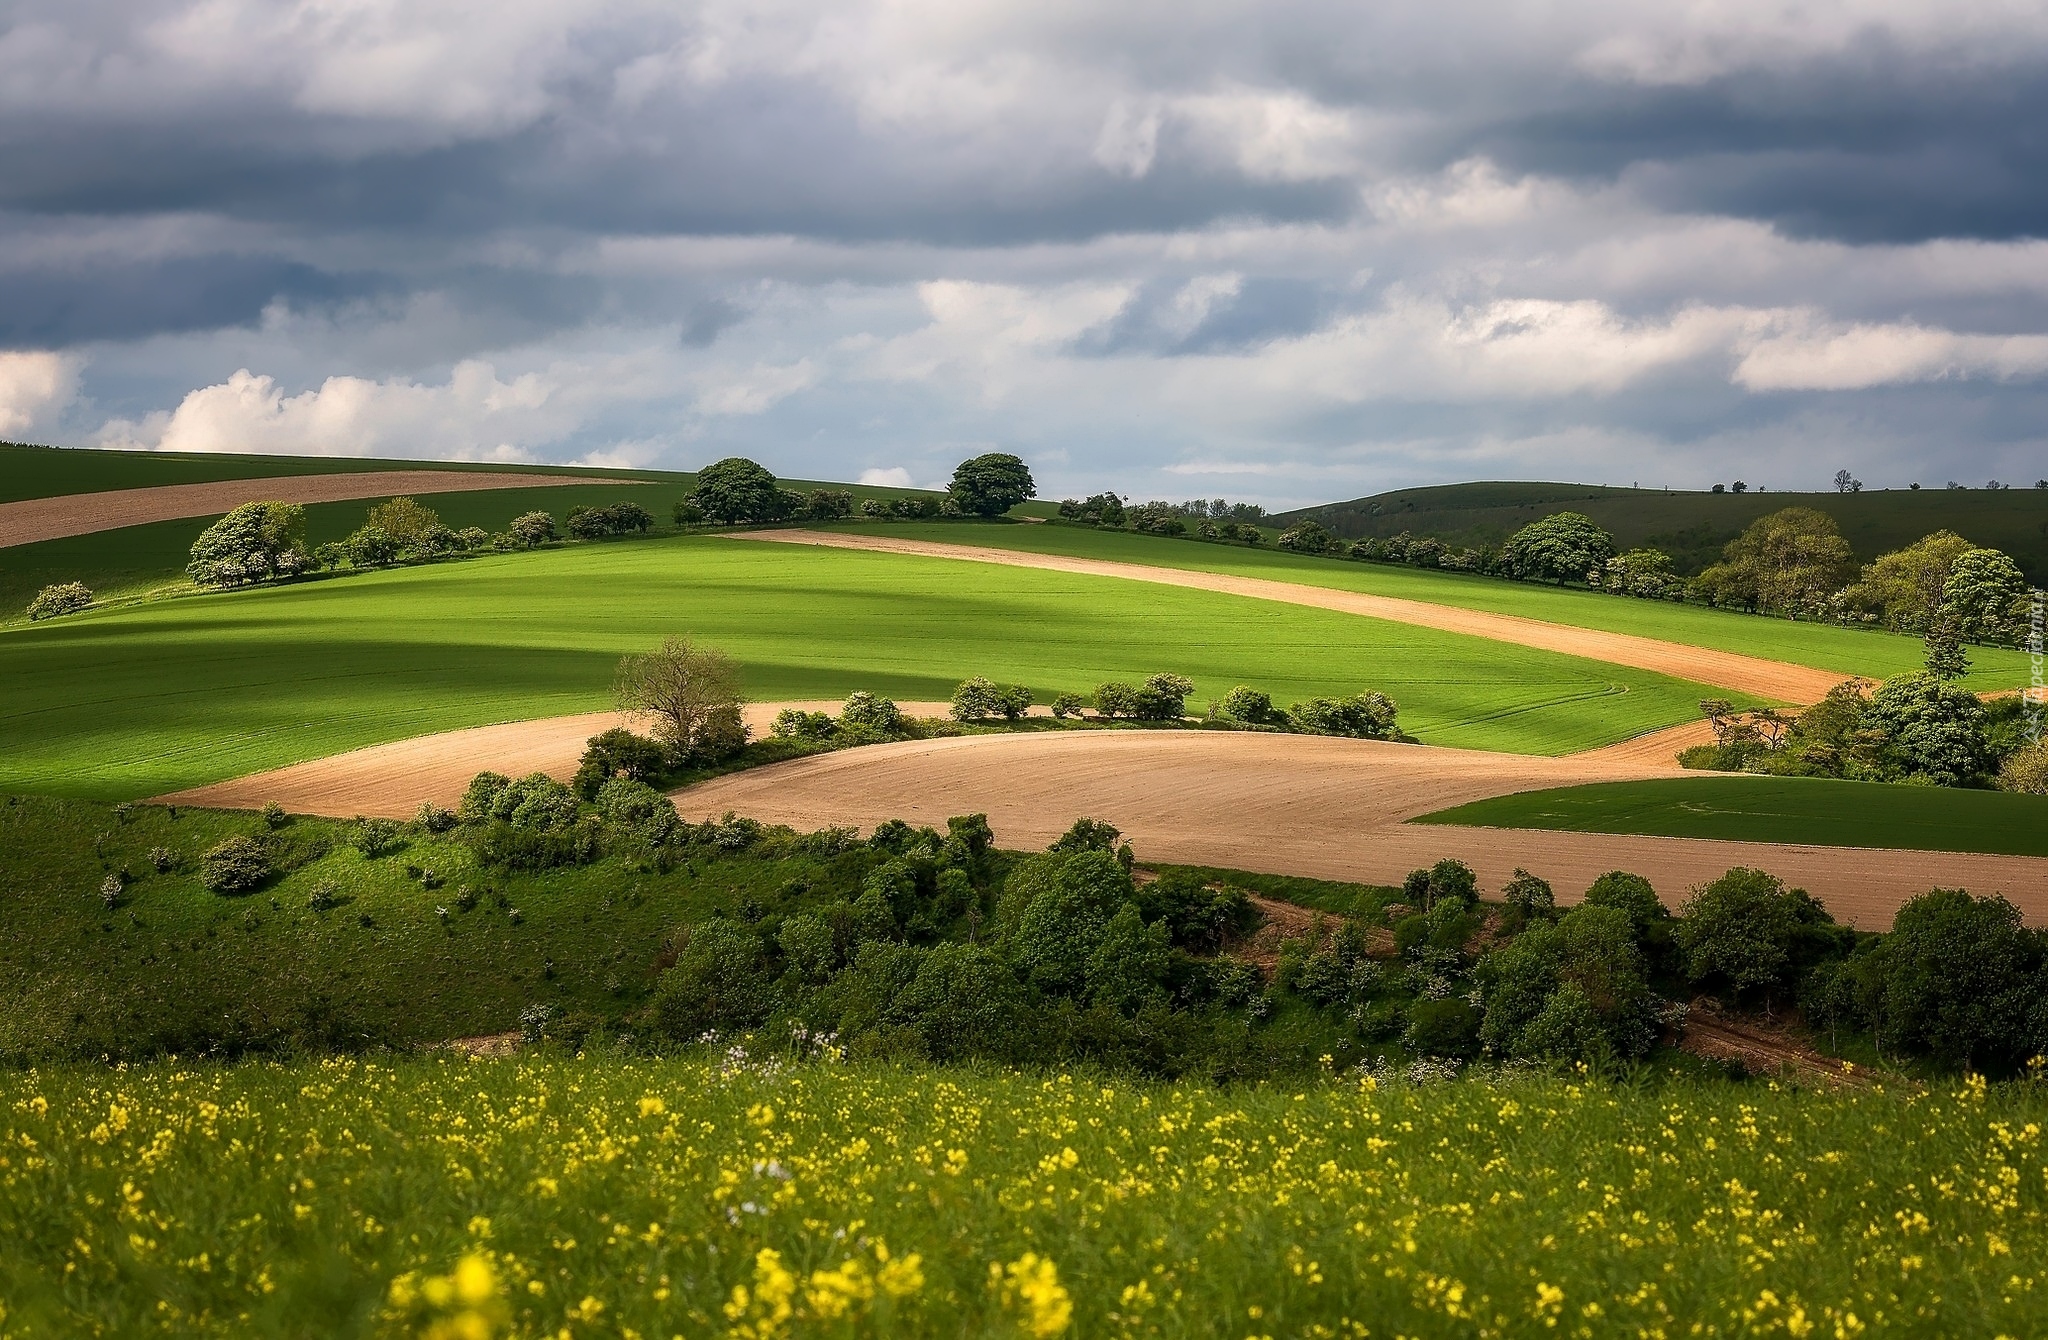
1903 588
1565 547
1790 562
1985 599
256 541
991 484
737 489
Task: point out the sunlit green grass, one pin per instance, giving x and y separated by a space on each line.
1847 651
133 702
613 1196
1778 809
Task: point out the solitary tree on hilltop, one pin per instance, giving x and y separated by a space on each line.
992 484
737 489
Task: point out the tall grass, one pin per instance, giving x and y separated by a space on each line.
616 1197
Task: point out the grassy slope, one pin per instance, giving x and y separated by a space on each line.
136 701
1693 526
1779 809
646 1195
1849 651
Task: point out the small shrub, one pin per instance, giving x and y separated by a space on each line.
866 712
274 816
1117 700
434 818
531 528
1365 716
1069 705
618 753
1246 704
1528 895
110 890
795 724
162 859
1164 697
325 895
980 698
482 793
374 837
637 807
235 866
1446 1028
61 598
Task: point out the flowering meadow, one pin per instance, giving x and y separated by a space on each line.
653 1198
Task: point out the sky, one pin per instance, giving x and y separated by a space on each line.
1285 251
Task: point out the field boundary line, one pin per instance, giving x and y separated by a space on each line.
68 514
1777 681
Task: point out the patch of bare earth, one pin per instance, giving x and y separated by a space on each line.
36 519
1761 1046
480 1048
1744 674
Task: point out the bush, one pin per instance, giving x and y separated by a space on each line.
1246 704
866 712
1527 894
2026 770
253 543
274 816
1572 990
1063 903
162 859
1367 716
1068 705
1444 1028
1928 728
1565 547
481 794
434 818
1305 538
537 802
1164 697
991 485
370 547
530 529
374 837
618 753
687 514
1628 893
981 698
717 983
235 866
61 598
1740 930
1117 700
1197 918
621 518
793 723
737 489
1447 881
637 807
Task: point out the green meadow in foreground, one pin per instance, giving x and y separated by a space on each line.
1814 810
137 701
1847 651
755 1197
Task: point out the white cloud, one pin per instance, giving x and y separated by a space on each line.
895 477
34 386
1274 135
1129 138
474 415
756 390
1826 357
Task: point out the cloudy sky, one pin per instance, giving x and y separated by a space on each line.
1277 250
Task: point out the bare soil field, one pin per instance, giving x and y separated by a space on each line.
390 781
1744 674
1317 807
84 513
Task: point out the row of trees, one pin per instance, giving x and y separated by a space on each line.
1793 562
1204 519
739 491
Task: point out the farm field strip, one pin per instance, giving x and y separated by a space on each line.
1319 808
34 519
1844 652
1750 675
129 702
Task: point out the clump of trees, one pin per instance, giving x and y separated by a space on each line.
59 598
256 542
1161 697
1198 518
982 699
619 518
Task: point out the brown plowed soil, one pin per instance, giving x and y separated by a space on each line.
390 781
1762 1047
84 513
1317 807
1744 674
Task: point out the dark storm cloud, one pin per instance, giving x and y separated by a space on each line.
46 309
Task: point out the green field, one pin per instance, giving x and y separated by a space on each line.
136 701
1847 651
614 1196
1692 526
1812 810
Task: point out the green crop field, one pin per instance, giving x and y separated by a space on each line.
135 701
617 1196
1848 651
1692 526
1813 810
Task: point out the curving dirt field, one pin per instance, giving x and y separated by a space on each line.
1773 680
389 781
84 513
1318 807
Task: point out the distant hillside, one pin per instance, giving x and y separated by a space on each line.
1692 527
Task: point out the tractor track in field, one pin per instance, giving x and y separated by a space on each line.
1777 681
55 518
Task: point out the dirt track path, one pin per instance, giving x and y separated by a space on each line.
1773 680
84 513
1318 807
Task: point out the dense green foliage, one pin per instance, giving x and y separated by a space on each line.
991 484
1563 547
59 598
604 1195
1816 811
255 542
